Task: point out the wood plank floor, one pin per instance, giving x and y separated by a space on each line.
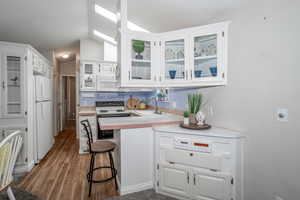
62 173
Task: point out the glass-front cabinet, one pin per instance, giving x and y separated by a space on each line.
88 77
207 54
174 59
140 60
12 84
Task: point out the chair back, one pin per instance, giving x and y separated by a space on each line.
88 130
9 150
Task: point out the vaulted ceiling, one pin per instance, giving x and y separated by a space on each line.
55 24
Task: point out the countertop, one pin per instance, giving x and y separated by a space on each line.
213 132
147 118
87 111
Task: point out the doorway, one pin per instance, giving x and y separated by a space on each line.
68 102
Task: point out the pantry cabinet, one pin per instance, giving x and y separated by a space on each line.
12 82
191 57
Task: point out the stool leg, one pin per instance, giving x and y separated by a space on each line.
113 169
91 173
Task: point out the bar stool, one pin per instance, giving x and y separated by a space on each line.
99 147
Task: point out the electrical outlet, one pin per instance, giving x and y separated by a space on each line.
282 114
174 105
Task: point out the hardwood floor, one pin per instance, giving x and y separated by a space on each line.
62 174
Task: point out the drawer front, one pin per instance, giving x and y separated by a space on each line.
196 159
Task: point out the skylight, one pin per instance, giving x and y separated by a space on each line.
113 17
105 37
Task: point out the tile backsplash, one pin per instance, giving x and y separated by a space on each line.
89 98
179 96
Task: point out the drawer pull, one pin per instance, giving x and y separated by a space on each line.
188 178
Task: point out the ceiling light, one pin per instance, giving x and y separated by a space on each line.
65 56
106 13
113 17
105 37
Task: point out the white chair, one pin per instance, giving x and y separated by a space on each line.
9 150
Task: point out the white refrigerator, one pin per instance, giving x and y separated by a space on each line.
43 117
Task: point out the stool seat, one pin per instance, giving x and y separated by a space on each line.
102 146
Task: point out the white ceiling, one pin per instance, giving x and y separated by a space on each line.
45 24
59 24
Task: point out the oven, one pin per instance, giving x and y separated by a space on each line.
109 109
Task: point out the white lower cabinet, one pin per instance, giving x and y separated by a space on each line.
174 180
210 185
194 184
199 165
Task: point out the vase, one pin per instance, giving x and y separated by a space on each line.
139 56
213 71
192 119
186 121
172 74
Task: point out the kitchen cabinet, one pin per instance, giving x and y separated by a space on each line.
206 165
88 77
141 59
18 65
191 57
174 180
13 83
98 75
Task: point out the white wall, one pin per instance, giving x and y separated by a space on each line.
91 50
263 76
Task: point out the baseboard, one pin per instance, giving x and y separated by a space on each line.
171 195
136 188
24 168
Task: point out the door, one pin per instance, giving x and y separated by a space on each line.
43 133
13 64
174 180
207 55
175 59
207 185
140 60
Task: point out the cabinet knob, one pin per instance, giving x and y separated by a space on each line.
191 154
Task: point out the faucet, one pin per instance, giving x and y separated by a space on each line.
156 106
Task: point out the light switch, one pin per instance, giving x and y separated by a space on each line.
282 114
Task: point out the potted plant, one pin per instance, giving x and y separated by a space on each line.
194 105
186 115
139 47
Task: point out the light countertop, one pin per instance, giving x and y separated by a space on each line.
213 132
146 118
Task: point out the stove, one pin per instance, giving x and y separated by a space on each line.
106 109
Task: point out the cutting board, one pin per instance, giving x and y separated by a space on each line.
133 103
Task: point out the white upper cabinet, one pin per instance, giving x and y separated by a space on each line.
12 82
191 57
141 58
88 77
174 59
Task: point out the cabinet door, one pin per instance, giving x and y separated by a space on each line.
207 56
174 180
174 59
13 83
88 77
140 60
208 185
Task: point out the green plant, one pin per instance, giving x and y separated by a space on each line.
186 114
138 46
194 102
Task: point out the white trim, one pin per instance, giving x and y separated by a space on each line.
136 188
24 168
